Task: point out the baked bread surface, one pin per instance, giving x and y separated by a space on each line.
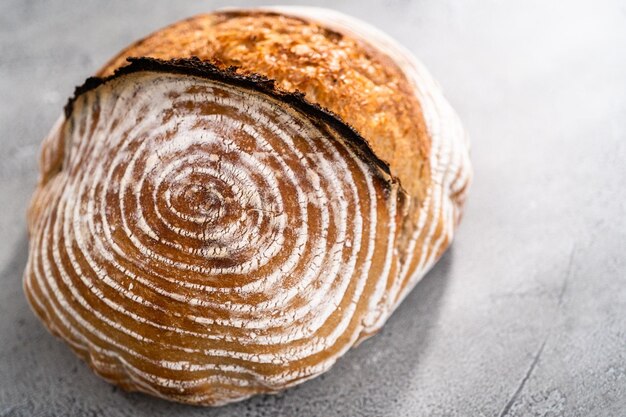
238 199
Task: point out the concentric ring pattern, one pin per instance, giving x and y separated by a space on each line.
202 241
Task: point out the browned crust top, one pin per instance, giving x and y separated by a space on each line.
356 82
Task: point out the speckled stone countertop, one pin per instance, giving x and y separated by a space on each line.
524 316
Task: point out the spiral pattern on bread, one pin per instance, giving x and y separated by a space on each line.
204 233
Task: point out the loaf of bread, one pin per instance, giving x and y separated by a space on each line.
237 199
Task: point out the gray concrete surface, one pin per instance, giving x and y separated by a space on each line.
524 316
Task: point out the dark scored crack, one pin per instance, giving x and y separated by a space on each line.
507 408
194 66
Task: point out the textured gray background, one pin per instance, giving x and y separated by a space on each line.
524 316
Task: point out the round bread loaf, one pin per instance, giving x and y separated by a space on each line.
237 199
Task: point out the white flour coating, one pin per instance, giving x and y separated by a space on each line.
207 255
269 256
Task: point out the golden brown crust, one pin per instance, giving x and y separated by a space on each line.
343 74
219 213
